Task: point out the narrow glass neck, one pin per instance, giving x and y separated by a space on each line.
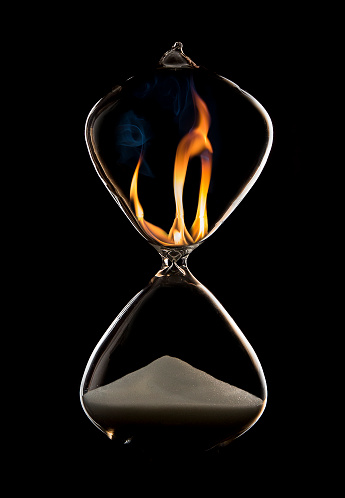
174 263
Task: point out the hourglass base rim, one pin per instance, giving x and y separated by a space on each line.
167 438
171 440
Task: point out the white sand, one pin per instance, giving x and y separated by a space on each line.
170 391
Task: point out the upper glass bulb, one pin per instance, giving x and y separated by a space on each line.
178 147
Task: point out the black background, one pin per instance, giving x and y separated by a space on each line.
88 261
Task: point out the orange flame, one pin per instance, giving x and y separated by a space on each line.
194 143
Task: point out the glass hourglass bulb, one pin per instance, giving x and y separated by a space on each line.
178 148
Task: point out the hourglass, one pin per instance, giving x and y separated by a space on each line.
178 148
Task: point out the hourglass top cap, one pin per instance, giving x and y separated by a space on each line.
175 58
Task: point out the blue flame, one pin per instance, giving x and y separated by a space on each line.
131 135
133 131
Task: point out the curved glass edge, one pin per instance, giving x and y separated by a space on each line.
263 161
95 351
100 168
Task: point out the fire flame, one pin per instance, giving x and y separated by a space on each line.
194 143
